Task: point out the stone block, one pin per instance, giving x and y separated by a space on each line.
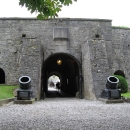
127 100
107 101
60 33
5 101
24 101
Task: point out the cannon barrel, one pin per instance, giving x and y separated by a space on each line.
25 82
25 91
112 82
111 91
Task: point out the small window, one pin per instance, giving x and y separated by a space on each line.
97 36
23 35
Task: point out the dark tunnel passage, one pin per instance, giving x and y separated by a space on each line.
67 69
2 76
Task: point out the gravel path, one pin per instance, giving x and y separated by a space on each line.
65 114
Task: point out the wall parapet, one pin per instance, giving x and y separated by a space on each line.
123 28
64 19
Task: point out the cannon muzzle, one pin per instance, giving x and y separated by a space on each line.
25 82
25 91
112 82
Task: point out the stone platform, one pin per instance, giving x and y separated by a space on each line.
31 101
108 101
5 101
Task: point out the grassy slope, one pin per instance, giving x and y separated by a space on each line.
7 91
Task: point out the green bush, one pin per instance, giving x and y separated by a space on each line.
123 85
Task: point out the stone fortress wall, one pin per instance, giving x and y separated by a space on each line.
101 49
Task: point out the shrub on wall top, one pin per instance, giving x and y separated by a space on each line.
123 85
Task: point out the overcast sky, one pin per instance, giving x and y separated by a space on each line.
116 10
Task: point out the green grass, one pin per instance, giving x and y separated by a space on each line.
121 26
7 91
126 95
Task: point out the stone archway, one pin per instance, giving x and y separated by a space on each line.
119 72
69 72
2 76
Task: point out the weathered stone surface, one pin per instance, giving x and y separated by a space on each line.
100 49
60 33
121 51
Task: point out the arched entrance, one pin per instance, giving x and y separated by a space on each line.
119 72
2 76
68 69
52 89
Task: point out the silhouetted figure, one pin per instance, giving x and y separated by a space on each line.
51 84
58 85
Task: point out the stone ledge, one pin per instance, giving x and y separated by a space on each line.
127 100
60 19
114 27
24 101
107 101
5 101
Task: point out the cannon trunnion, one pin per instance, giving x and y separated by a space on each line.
25 90
111 91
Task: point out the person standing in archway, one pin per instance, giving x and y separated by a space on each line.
58 85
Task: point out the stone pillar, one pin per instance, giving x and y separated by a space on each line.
99 64
95 68
30 63
88 88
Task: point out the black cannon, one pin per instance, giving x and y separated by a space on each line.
112 82
111 91
25 90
